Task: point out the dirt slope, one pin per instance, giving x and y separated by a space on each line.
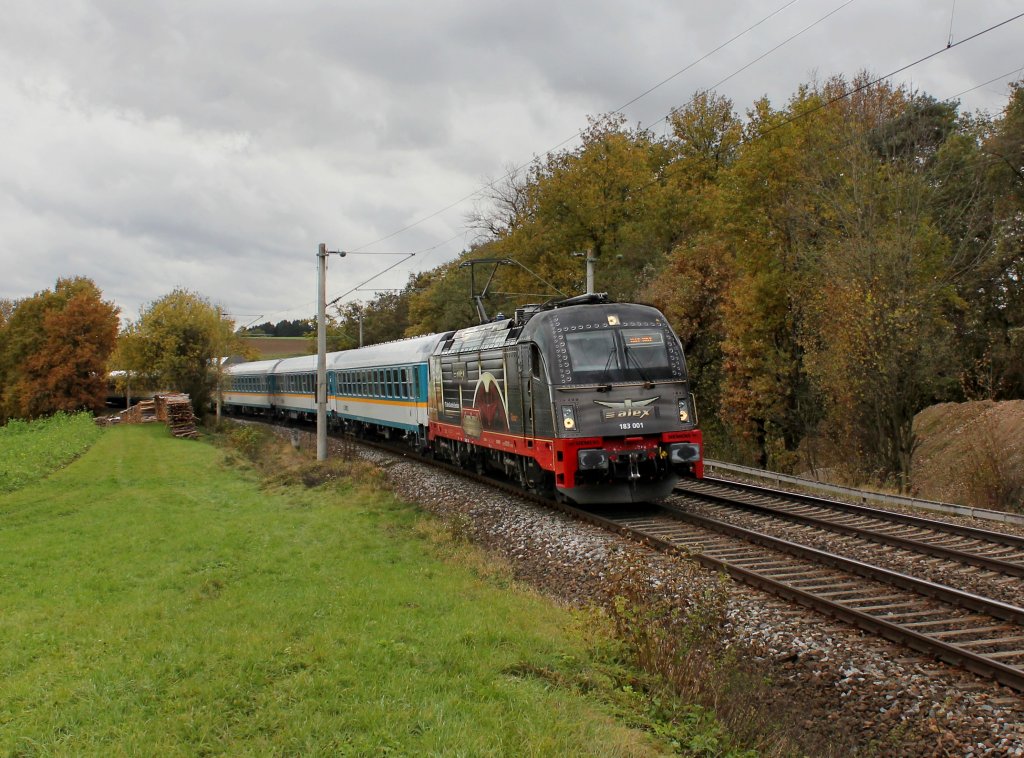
971 453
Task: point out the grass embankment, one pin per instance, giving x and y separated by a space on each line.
31 450
158 601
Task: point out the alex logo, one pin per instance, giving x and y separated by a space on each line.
627 409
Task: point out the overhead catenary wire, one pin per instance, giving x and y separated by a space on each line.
569 139
859 88
618 110
950 45
512 171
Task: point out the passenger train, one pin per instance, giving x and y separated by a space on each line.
583 398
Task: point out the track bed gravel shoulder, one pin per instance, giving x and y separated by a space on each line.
890 700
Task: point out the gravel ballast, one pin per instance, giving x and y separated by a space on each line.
884 698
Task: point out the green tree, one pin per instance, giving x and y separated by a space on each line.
986 180
177 343
439 300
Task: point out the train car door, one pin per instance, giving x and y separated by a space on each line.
525 375
513 390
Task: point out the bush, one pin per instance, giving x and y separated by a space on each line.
684 642
249 440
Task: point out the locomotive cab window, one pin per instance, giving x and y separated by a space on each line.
645 349
619 355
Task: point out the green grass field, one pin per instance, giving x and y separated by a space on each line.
32 450
157 600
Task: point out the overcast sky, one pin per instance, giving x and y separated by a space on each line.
212 144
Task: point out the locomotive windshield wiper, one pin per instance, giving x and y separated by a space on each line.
606 387
648 384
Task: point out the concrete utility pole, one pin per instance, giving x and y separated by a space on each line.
591 260
321 350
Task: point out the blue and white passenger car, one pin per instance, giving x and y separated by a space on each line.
250 386
383 387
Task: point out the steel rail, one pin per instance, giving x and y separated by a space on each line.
1010 540
937 551
941 592
958 656
864 495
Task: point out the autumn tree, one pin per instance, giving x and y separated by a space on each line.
983 186
54 348
771 219
697 273
439 300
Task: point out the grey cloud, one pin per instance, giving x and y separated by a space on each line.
213 145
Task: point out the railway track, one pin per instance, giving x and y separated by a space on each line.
982 635
992 551
929 553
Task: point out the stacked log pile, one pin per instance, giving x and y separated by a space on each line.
176 411
143 412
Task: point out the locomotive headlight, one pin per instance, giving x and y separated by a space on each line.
684 410
568 418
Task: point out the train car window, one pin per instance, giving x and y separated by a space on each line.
388 385
535 362
405 382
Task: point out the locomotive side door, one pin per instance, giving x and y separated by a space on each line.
525 376
513 389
